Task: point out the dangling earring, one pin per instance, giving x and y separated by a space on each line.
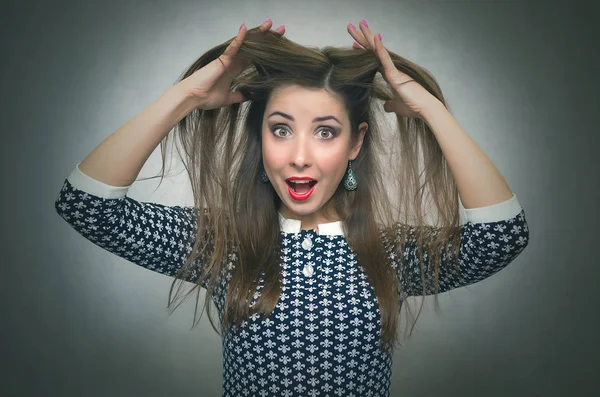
350 182
264 177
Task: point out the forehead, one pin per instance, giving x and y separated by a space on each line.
299 101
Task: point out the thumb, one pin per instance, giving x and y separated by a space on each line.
389 106
235 97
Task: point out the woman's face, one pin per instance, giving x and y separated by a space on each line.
306 133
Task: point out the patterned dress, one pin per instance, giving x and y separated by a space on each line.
322 338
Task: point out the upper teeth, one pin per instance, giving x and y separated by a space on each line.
305 181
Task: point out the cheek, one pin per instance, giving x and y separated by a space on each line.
271 156
335 162
332 166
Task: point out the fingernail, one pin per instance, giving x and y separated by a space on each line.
266 20
241 26
280 26
364 23
379 36
353 27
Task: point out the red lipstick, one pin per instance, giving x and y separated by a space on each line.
291 182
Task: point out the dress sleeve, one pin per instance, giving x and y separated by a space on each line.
151 235
490 239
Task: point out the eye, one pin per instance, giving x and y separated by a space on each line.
277 128
329 132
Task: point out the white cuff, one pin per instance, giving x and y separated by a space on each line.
493 213
84 182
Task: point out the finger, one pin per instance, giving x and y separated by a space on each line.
235 97
235 44
367 33
386 61
356 45
389 107
358 36
280 29
391 74
266 25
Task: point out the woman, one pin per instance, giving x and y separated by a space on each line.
308 243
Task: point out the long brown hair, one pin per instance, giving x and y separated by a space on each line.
398 166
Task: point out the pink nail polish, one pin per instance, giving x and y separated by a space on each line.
240 27
267 20
353 27
280 26
379 36
364 23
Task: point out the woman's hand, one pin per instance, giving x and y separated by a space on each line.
211 84
410 98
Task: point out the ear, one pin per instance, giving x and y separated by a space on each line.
363 127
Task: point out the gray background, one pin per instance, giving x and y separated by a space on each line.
521 79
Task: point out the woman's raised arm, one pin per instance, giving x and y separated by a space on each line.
93 199
118 160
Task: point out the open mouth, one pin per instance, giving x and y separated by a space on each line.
301 186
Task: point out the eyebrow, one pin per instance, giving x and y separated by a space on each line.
322 118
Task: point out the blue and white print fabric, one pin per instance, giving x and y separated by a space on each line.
322 338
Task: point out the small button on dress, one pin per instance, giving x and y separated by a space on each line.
307 243
308 270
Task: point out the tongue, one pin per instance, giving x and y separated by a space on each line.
302 187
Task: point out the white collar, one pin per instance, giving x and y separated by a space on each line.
293 226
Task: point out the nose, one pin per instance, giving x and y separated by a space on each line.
301 152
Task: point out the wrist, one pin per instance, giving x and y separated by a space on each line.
179 102
431 108
184 96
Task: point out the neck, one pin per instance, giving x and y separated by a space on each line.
308 221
